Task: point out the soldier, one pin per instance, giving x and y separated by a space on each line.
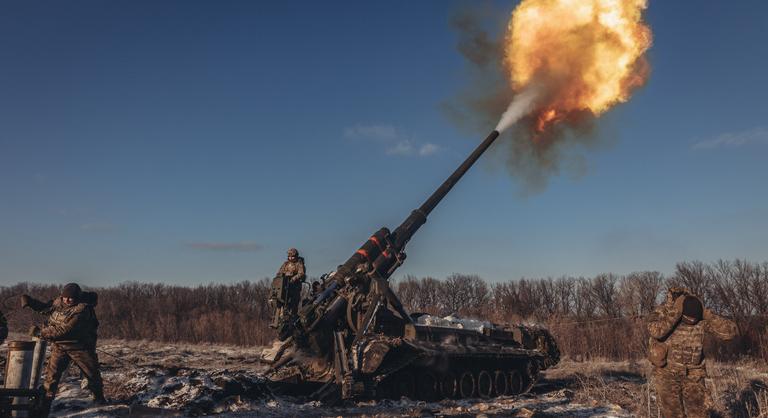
294 271
316 289
71 328
677 330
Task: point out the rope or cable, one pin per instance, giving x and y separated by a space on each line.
125 362
617 318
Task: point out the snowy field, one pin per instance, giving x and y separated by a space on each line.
145 379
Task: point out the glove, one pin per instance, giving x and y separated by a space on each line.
34 331
679 306
25 299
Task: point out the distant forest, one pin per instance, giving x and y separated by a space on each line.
591 317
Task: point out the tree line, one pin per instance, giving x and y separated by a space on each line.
215 313
601 316
604 316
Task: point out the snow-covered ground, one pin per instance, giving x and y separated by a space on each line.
152 379
144 379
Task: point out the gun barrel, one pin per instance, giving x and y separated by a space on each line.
454 178
373 250
418 217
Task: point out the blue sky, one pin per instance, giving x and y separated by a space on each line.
191 142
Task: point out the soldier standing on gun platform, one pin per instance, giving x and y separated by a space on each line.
294 269
71 328
677 330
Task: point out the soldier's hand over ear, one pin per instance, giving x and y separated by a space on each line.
679 306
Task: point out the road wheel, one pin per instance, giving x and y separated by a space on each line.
467 385
449 387
515 382
500 383
484 384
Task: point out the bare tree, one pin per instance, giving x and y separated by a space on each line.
693 276
464 294
565 292
605 294
639 292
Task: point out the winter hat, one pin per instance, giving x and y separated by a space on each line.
71 290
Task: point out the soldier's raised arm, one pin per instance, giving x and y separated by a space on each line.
36 305
664 319
720 327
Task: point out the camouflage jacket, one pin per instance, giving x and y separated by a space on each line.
3 328
293 269
676 342
69 327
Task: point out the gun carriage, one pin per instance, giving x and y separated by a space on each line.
355 339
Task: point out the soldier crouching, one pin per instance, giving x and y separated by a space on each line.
676 343
71 328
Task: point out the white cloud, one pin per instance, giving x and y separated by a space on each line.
395 142
225 246
404 148
735 139
428 149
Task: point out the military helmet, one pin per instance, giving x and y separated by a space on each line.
292 252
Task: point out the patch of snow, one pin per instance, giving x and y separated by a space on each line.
453 322
148 382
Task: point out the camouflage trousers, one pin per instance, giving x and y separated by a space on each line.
293 297
86 360
681 392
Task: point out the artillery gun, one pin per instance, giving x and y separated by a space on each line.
355 339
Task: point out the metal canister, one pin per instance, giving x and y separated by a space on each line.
18 369
37 362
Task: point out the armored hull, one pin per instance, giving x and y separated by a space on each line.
431 359
435 362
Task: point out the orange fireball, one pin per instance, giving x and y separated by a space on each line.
586 54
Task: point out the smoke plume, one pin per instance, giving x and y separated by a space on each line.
552 72
520 106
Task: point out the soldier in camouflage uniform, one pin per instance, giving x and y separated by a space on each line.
71 328
293 268
677 330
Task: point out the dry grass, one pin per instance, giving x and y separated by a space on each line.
736 389
739 389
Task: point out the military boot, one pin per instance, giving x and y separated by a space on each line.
98 397
44 408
